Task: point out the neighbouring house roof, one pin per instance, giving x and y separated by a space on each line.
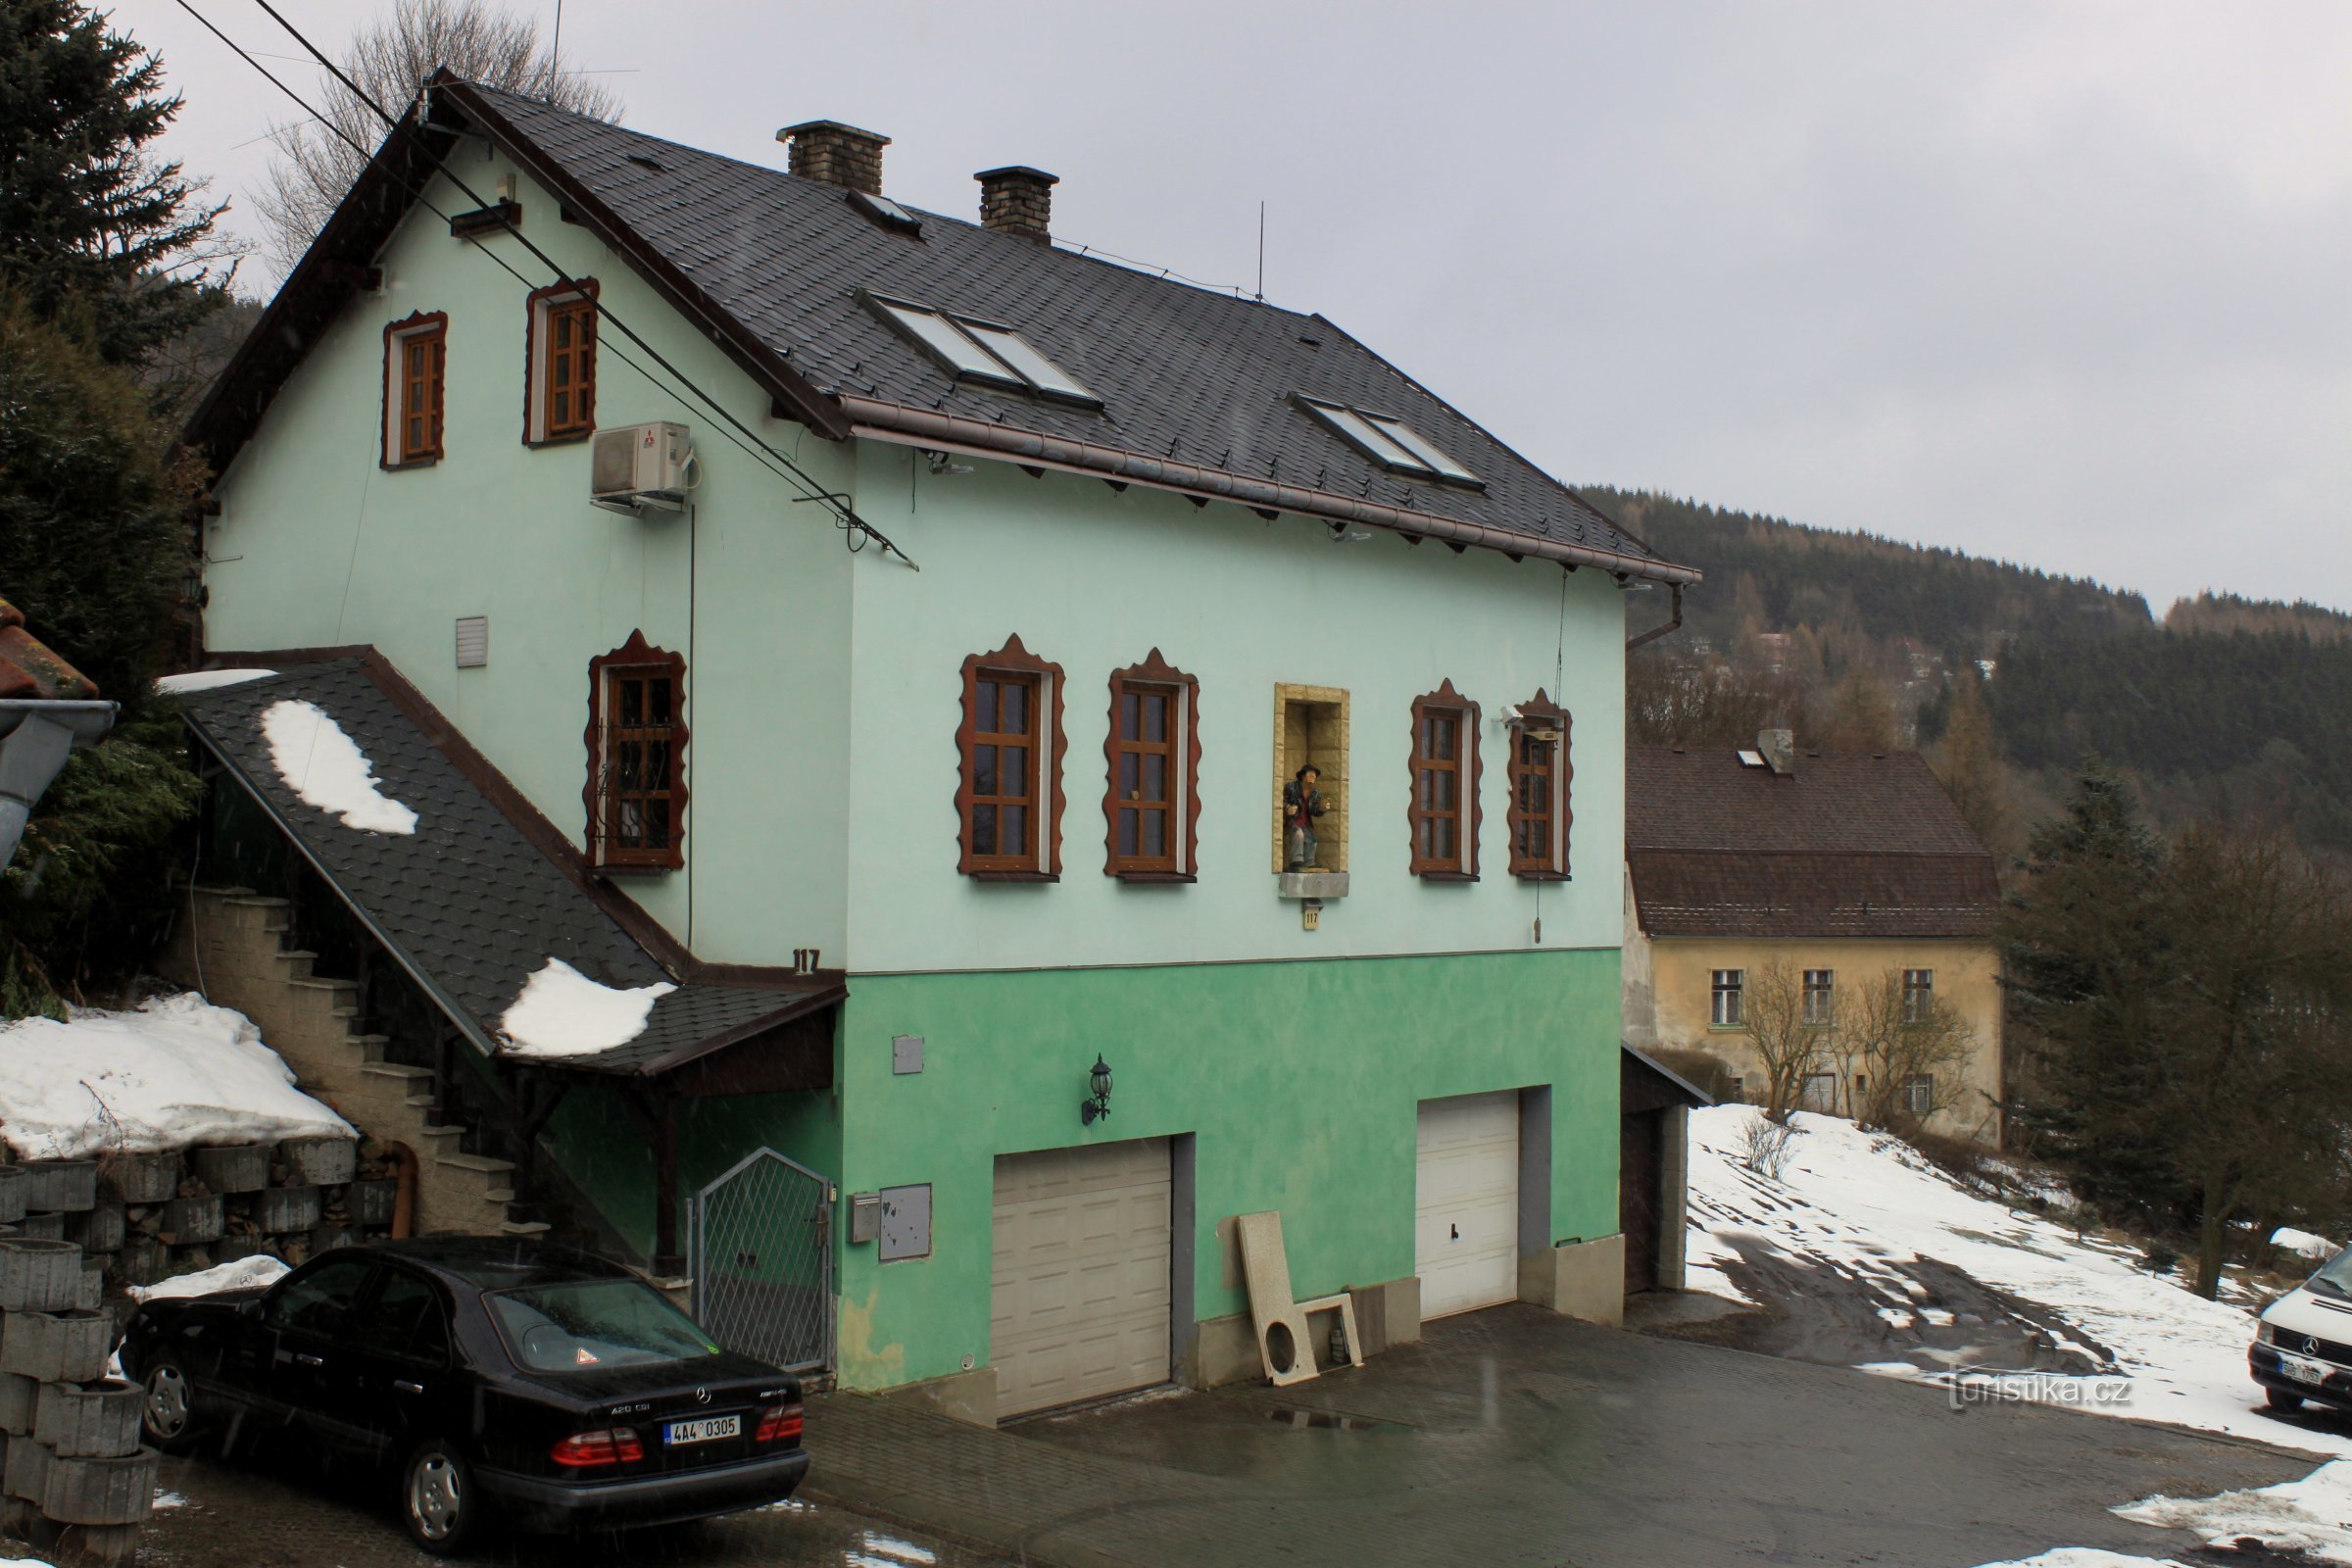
471 903
1852 844
1197 385
29 671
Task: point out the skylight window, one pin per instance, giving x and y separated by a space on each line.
889 214
981 350
1751 760
1390 441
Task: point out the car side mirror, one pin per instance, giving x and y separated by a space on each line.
252 1308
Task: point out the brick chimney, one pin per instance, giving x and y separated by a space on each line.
837 154
1018 200
1779 747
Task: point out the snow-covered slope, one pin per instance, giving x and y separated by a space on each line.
1866 1208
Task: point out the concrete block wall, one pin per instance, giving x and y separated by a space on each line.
230 944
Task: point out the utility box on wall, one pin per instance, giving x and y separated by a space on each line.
906 1222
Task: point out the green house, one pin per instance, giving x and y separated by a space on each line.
843 666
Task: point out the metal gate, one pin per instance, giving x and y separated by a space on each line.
760 1252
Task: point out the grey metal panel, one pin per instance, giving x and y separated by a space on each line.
906 1223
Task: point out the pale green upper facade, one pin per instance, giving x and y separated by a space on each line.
824 688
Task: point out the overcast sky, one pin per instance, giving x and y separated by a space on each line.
2069 284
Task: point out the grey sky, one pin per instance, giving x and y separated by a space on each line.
2060 284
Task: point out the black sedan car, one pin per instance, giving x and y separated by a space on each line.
509 1383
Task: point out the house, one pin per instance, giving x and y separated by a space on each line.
812 686
1835 897
48 710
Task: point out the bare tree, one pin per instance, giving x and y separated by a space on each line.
317 162
1790 1047
1903 1054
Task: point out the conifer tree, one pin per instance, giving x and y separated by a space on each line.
1969 763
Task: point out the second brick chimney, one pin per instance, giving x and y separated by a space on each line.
837 154
1018 200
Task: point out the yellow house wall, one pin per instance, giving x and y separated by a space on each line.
1669 1001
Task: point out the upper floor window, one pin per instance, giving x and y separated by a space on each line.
1727 987
1008 794
416 369
1154 754
1818 996
1538 779
983 351
559 351
1919 994
1445 800
636 794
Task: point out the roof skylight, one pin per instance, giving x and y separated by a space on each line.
1390 442
982 351
882 210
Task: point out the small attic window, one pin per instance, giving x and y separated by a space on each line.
1751 760
885 211
1390 442
984 352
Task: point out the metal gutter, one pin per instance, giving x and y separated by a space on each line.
902 425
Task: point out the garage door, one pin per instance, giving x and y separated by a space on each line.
1080 1306
1466 1217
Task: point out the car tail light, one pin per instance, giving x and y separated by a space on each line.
778 1422
584 1451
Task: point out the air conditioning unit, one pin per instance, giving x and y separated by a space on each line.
638 469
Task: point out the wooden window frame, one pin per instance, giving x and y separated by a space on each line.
1827 991
1542 713
1735 990
538 427
1919 994
1467 767
1183 751
393 451
635 655
1042 861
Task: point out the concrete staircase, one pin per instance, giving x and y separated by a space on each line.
230 944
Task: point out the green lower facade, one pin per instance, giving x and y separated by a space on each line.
1290 1086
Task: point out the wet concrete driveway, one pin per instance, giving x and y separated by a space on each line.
1506 1437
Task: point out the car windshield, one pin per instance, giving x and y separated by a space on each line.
2334 1277
595 1323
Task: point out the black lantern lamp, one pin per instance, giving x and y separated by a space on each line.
1098 1103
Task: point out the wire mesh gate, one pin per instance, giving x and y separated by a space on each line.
760 1252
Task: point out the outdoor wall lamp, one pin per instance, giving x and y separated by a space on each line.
1098 1103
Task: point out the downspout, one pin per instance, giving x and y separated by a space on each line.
1656 632
36 735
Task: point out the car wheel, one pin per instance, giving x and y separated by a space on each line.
438 1500
169 1417
2280 1399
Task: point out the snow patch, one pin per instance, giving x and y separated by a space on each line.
205 680
327 769
2303 1242
1865 1206
905 1552
561 1012
167 1500
245 1274
2307 1515
2085 1557
174 1072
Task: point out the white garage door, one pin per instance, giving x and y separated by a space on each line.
1080 1306
1466 1216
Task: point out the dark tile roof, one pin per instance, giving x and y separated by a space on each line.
1852 844
30 672
468 903
1187 375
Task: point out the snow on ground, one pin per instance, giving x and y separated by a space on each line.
242 1275
561 1012
2087 1558
1864 1206
174 1072
2316 1247
2313 1515
205 680
328 770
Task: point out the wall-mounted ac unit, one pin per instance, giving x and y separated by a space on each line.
641 468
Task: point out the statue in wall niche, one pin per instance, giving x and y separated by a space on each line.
1302 803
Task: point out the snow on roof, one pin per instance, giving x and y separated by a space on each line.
328 770
561 1012
244 1274
2303 1242
205 680
174 1073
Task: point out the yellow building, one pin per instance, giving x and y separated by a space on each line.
1764 878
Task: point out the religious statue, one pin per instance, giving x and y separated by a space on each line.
1302 803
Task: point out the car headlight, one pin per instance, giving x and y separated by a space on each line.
2266 1335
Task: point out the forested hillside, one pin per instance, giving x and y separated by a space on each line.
2225 707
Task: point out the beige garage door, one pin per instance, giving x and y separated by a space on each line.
1466 1209
1080 1296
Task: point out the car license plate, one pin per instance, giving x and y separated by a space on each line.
710 1429
2303 1369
